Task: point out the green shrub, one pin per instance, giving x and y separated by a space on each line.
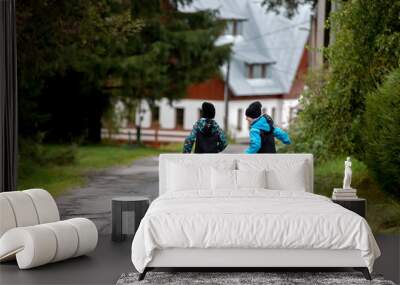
382 133
383 212
310 132
366 48
33 155
35 151
61 155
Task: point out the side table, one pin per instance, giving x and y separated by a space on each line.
358 205
127 212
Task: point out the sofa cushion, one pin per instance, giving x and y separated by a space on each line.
23 208
7 220
46 207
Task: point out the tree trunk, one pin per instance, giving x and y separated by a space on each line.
94 121
97 104
94 126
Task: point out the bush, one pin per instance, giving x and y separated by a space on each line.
366 48
304 142
382 133
35 151
311 130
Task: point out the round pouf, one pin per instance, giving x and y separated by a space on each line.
127 212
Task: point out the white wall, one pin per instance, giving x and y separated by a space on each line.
286 106
167 115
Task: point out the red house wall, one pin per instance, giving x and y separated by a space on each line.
213 89
298 81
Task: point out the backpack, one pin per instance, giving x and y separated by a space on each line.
270 123
267 138
206 141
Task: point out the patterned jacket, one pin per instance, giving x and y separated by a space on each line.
198 127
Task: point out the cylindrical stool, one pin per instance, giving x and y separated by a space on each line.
127 212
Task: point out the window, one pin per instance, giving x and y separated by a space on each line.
239 119
257 71
238 28
234 27
179 118
155 115
268 72
273 111
249 71
229 28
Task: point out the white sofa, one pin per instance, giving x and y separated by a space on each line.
31 231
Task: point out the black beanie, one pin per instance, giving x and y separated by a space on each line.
254 110
207 110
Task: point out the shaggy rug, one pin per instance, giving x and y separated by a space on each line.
243 278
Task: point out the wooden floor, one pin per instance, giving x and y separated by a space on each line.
110 260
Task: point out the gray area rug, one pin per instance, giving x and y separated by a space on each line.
269 278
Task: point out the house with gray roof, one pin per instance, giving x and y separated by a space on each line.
268 62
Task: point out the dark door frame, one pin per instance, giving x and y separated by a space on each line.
8 97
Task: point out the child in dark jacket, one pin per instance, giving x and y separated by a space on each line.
263 131
207 134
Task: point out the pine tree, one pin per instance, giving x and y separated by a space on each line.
173 50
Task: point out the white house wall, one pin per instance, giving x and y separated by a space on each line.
287 105
167 115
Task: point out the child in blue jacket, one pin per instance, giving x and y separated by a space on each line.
262 131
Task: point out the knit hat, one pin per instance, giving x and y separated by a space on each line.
254 110
207 110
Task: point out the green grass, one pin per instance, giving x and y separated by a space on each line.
383 211
57 175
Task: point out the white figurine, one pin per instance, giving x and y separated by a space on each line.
347 174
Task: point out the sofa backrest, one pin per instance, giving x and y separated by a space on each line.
238 161
26 208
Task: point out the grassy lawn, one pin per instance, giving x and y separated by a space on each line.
59 173
383 212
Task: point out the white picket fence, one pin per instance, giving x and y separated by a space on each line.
147 135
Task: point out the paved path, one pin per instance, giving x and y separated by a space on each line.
94 200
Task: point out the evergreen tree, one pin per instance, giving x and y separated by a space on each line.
66 52
290 6
173 50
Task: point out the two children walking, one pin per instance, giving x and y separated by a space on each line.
208 137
